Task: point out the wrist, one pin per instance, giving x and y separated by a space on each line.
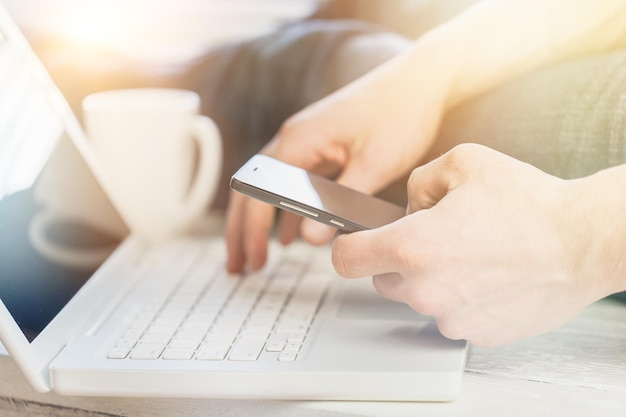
598 205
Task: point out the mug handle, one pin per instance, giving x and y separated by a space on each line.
207 135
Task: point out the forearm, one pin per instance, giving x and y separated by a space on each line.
498 40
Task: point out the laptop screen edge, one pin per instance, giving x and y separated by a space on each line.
33 358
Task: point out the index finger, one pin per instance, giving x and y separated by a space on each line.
248 226
234 233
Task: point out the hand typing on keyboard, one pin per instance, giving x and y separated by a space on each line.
213 316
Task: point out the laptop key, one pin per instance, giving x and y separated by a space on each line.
213 351
293 346
184 344
247 350
154 339
178 354
288 356
146 352
276 346
118 353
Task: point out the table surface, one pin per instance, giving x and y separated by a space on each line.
576 370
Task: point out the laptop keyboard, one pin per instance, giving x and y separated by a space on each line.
213 316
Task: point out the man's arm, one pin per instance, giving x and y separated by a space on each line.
498 40
376 129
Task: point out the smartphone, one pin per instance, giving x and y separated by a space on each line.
310 195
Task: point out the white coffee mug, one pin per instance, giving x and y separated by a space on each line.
161 159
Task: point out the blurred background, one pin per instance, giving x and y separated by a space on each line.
94 45
152 30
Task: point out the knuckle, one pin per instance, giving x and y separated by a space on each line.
407 259
460 162
403 256
380 285
460 156
463 151
413 180
390 286
424 302
451 328
286 134
290 127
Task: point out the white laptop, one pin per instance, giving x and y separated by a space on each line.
87 310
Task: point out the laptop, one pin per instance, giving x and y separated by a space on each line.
88 309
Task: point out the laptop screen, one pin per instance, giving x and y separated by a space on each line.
56 224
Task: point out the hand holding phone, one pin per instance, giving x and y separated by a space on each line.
310 195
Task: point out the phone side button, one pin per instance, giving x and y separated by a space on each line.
297 208
337 223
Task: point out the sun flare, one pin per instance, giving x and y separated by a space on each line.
92 24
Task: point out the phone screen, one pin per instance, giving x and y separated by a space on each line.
299 191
